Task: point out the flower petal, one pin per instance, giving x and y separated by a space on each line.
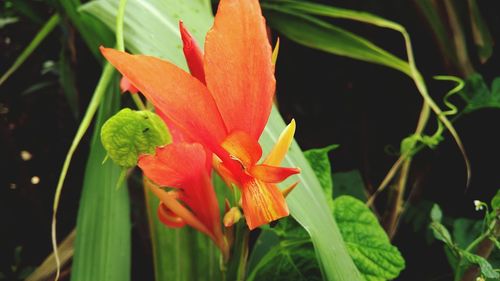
181 97
238 66
280 149
262 203
272 174
243 148
193 54
126 86
169 218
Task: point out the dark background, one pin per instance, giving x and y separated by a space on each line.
363 107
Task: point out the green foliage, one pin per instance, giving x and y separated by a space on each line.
366 240
319 161
349 183
293 258
495 202
130 133
478 96
486 268
104 252
294 23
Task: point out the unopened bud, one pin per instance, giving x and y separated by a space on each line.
130 133
232 216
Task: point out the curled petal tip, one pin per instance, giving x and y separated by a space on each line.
289 189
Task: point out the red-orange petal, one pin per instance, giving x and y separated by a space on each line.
243 148
174 164
126 86
272 174
238 66
192 53
262 203
169 218
181 97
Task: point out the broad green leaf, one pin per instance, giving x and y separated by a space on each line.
349 183
367 241
147 26
315 33
67 80
291 257
319 161
102 245
486 268
495 201
478 96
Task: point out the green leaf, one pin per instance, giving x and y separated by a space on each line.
495 201
366 240
67 80
478 96
291 257
319 161
486 268
315 33
103 252
349 183
436 213
465 231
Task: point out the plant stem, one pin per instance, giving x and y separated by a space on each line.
101 87
42 34
138 102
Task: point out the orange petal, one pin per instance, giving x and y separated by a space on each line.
280 149
262 203
168 217
272 174
181 97
243 148
126 86
289 189
238 67
192 53
174 164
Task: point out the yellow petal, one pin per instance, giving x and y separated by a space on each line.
281 147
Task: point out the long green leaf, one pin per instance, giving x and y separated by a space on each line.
44 31
318 34
147 25
102 246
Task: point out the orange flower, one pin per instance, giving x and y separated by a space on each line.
223 105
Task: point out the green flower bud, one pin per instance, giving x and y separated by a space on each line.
130 133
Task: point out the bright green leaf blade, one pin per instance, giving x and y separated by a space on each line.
366 240
314 33
102 246
152 27
320 163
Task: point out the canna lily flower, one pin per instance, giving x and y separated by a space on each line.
223 105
